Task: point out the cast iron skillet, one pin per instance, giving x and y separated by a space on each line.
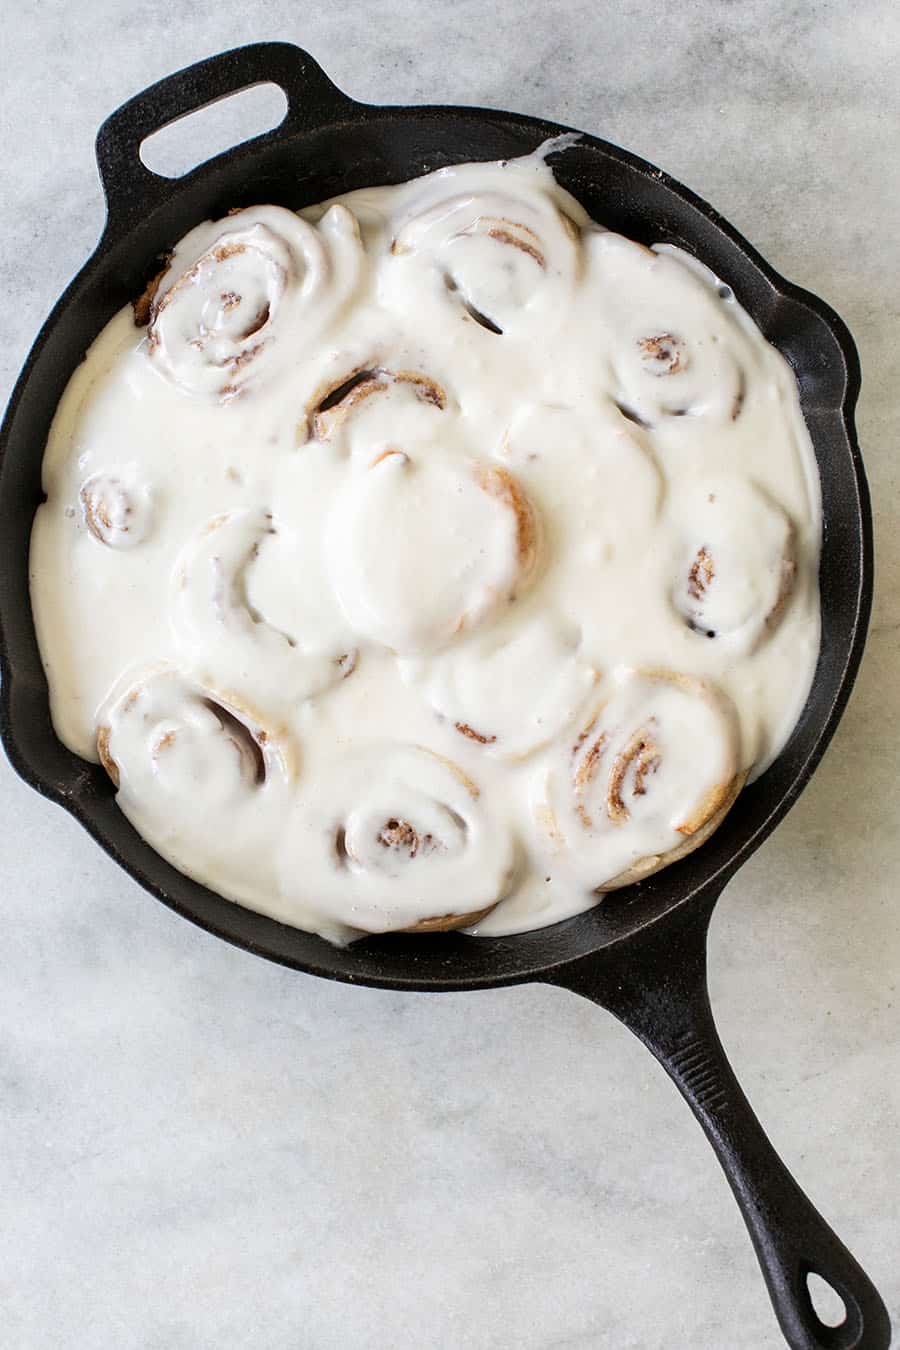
642 952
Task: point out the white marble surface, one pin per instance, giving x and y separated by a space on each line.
198 1149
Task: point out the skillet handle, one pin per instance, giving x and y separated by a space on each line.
661 995
131 188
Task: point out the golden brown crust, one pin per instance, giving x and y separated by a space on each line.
708 806
500 483
106 759
143 305
645 867
400 455
446 923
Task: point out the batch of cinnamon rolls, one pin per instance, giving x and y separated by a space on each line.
432 558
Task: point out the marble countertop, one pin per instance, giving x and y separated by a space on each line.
203 1150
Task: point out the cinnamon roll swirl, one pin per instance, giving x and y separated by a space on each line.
654 768
464 542
117 512
736 567
411 846
232 286
510 689
505 259
225 638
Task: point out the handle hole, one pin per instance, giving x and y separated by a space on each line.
828 1305
181 145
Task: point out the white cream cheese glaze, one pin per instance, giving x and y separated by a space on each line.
434 556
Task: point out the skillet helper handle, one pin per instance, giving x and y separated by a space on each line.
131 188
661 994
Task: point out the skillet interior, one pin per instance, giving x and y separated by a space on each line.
352 145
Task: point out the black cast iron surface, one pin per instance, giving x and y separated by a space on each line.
642 953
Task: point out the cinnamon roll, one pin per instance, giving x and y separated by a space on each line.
117 511
510 689
202 777
407 844
226 639
649 777
164 726
664 373
674 348
420 550
505 259
736 566
234 285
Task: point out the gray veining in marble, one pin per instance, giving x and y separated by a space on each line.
200 1150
